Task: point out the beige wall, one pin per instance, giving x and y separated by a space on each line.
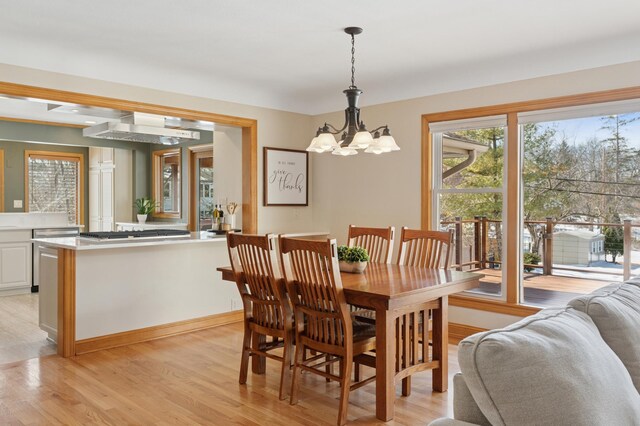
275 128
367 189
384 190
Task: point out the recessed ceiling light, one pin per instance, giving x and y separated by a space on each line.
90 122
74 110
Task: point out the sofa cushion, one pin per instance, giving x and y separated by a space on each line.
615 309
551 368
464 406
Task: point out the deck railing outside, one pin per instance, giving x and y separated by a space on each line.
478 241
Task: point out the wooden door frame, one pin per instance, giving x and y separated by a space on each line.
249 128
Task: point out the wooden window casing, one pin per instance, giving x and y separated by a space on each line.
173 157
513 182
60 156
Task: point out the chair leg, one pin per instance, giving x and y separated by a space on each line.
285 375
328 368
345 387
406 386
244 360
356 372
295 381
258 363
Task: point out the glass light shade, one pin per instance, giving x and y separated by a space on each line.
361 140
313 146
388 143
326 142
344 151
374 148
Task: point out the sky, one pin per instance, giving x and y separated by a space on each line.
580 130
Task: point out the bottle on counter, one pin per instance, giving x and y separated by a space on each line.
215 224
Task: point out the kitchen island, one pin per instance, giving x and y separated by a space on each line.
105 294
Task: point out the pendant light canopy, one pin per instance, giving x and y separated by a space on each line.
355 135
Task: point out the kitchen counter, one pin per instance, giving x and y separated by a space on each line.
110 293
76 243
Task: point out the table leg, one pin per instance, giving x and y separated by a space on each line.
385 365
440 379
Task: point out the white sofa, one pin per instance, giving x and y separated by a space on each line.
577 365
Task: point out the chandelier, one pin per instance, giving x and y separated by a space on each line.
355 135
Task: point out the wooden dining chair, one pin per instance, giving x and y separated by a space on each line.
379 245
323 322
425 249
377 241
267 310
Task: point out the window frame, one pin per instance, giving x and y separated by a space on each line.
195 153
513 190
57 155
437 190
156 179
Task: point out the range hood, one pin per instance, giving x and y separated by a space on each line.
141 127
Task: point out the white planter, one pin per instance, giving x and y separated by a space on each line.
352 267
142 218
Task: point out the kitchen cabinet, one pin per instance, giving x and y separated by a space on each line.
101 189
15 260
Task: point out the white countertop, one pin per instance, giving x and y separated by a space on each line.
74 243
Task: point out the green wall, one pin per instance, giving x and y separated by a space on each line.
17 137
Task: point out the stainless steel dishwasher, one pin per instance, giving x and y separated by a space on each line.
47 233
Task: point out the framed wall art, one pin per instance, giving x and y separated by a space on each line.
286 177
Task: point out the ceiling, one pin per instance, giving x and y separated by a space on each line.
293 55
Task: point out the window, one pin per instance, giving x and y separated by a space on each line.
53 183
167 186
581 179
570 195
468 194
201 183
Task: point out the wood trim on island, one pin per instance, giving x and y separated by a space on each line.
66 303
156 332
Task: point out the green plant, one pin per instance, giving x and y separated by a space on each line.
531 258
352 254
145 205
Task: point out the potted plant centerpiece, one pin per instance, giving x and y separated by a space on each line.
352 259
144 207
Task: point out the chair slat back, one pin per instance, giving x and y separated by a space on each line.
255 257
312 276
377 241
427 249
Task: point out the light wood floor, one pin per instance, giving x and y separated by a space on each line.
20 336
189 379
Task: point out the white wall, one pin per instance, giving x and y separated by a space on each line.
275 128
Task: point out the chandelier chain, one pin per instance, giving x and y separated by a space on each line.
353 62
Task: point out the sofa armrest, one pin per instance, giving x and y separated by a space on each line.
465 407
445 421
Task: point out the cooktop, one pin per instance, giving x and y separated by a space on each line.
146 234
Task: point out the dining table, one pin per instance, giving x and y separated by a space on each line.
398 294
